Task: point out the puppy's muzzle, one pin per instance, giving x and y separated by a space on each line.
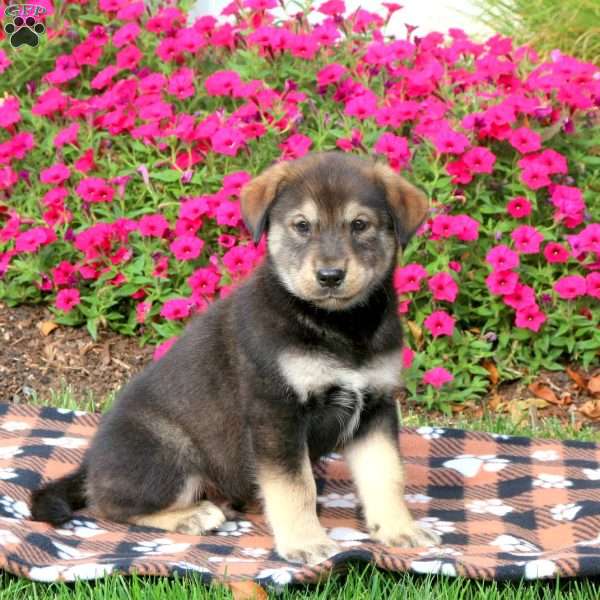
330 278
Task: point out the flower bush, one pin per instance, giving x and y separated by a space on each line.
126 137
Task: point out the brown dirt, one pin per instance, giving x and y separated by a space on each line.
32 363
37 362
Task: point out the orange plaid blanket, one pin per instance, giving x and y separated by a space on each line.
506 508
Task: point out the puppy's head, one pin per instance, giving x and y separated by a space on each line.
335 222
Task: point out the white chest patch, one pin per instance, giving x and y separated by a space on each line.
313 373
309 373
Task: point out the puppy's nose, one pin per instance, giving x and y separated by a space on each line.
330 277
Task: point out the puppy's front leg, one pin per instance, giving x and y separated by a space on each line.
374 460
290 498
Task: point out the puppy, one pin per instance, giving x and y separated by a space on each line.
301 360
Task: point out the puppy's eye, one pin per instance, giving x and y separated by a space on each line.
358 225
302 227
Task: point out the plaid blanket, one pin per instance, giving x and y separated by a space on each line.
506 508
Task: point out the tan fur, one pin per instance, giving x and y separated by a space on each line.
194 520
377 470
354 210
408 202
290 507
257 194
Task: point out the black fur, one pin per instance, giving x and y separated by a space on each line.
217 404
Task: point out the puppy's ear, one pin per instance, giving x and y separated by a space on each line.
257 196
408 203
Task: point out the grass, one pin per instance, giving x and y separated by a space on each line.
360 582
572 26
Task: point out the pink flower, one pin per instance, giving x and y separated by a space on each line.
95 189
450 142
443 226
521 297
55 174
67 299
556 253
525 140
178 308
593 284
502 258
408 278
519 207
142 309
570 287
530 317
439 323
466 228
589 238
163 348
296 146
362 106
68 135
479 160
437 377
330 74
535 176
527 239
227 141
204 281
222 83
502 283
187 247
443 287
408 356
228 213
153 225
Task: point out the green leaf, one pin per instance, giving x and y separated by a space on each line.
167 176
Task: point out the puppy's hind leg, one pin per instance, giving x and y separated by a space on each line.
194 520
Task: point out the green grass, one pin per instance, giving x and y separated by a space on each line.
572 26
361 581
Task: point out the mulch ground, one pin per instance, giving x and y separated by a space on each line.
34 361
38 359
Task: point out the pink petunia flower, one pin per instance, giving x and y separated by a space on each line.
437 377
527 239
570 287
186 247
479 160
519 207
408 278
502 258
153 225
55 174
296 146
67 299
530 317
439 323
163 348
521 297
556 253
178 308
535 176
448 141
502 283
408 356
593 284
443 287
227 141
525 140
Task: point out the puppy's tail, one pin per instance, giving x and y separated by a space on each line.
56 501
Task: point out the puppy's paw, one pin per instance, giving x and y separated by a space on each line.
310 550
208 516
407 534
